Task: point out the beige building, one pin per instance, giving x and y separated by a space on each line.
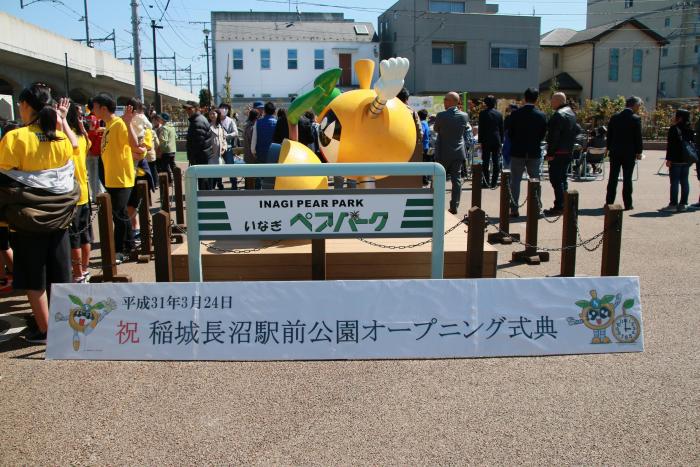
615 59
460 45
677 21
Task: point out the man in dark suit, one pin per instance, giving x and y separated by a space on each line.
625 149
526 129
450 126
562 130
491 139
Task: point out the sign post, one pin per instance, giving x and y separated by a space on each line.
315 214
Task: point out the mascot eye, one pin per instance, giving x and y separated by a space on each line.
604 313
592 315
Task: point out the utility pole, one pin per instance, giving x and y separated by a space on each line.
138 84
67 75
87 25
155 64
206 48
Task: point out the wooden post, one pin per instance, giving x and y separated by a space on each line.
476 185
475 243
318 259
568 235
163 256
612 240
250 183
530 254
179 199
144 221
107 252
504 236
164 192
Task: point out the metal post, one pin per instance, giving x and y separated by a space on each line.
568 237
114 42
87 26
437 253
476 185
475 243
162 252
138 82
194 259
612 240
175 66
144 221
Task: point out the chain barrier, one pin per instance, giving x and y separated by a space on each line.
581 243
210 246
542 214
414 245
512 200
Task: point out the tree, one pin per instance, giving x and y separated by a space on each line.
204 98
227 89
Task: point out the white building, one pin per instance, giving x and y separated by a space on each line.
278 55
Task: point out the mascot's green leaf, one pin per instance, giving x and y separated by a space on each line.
582 303
629 303
99 305
75 300
318 98
607 299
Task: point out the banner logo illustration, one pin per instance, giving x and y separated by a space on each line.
598 314
85 317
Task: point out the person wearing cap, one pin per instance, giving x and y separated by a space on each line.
167 137
259 107
200 141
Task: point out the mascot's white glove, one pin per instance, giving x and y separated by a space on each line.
392 74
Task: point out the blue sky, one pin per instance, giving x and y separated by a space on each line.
186 40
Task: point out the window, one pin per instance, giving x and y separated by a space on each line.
555 60
692 84
662 86
509 57
629 3
667 22
237 59
664 52
238 95
265 96
264 59
291 59
637 59
449 53
361 30
447 7
614 65
319 62
695 49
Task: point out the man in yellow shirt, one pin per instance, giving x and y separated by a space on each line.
118 141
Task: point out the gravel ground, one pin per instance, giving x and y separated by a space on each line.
641 408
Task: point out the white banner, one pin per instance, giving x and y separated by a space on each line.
312 214
345 319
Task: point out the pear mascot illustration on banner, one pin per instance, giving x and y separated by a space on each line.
363 125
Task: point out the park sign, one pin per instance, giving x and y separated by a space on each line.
280 214
328 320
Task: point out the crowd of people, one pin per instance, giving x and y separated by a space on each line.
525 139
60 156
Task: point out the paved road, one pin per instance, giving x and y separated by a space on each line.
591 409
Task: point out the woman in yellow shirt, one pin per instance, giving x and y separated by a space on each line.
80 232
41 259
